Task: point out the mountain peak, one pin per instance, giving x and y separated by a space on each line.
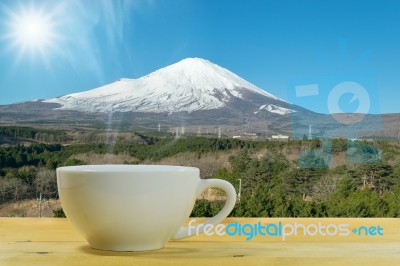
194 60
190 66
201 72
189 85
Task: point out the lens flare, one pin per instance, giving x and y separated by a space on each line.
31 30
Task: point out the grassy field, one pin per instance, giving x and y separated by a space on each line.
29 208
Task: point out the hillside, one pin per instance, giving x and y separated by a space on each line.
313 178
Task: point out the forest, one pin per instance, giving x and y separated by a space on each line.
295 178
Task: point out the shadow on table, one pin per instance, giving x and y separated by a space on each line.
167 251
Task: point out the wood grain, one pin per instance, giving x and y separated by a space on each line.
53 241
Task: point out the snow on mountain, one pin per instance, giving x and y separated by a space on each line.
189 85
275 109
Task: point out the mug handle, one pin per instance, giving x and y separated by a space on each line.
229 204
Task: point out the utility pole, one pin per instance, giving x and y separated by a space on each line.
240 188
310 132
40 204
364 179
266 133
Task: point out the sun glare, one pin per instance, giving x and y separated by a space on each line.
31 30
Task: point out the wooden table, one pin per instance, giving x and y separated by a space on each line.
53 241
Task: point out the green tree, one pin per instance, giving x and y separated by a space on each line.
240 161
202 208
259 204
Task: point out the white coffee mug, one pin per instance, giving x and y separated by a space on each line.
134 207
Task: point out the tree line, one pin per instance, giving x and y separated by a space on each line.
27 170
367 185
272 186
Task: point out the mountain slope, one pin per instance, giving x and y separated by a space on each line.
193 93
190 85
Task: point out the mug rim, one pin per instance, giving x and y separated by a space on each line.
97 168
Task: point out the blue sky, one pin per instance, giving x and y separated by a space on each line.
276 45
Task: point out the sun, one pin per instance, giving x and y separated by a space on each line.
31 30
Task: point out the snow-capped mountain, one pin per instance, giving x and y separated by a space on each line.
275 109
193 84
194 94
